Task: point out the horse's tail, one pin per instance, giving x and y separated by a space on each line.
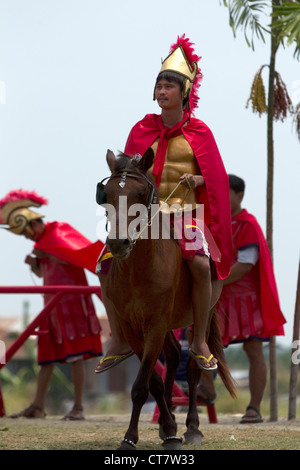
216 347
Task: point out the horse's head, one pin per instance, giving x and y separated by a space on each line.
128 191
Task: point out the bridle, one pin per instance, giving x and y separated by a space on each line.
123 175
101 197
151 199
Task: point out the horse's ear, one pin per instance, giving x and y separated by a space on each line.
111 160
146 161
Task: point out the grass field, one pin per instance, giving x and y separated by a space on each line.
107 421
105 432
107 418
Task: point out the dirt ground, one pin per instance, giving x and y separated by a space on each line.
105 432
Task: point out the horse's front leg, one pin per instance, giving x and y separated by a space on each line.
149 379
167 424
139 395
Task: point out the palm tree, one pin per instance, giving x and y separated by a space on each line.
288 23
295 347
284 26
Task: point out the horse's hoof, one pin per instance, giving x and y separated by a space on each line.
193 438
172 443
126 444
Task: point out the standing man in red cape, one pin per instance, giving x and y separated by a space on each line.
185 151
71 332
249 309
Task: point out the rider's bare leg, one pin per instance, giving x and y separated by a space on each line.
202 296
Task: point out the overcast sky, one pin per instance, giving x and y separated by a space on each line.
76 75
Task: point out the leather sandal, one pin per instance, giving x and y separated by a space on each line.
33 411
251 418
76 414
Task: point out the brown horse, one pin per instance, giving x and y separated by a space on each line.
148 286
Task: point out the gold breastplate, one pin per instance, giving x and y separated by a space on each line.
179 159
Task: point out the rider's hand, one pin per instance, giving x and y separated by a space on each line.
194 180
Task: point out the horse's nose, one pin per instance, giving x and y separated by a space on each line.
119 247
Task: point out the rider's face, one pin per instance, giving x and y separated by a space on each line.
34 231
168 94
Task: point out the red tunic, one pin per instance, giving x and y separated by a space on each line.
72 327
214 195
250 307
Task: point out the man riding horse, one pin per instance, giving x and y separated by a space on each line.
185 151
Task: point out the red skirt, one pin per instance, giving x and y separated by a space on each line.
72 329
240 318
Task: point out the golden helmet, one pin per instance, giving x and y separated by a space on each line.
15 212
183 60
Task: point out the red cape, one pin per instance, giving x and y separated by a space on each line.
269 299
65 243
215 193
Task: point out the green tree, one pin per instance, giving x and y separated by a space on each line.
283 27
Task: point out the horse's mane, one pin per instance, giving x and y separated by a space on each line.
122 160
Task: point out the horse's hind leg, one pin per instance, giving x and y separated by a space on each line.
193 435
172 351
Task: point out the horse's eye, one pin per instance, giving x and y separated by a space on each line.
141 193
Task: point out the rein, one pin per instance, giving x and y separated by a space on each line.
166 201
